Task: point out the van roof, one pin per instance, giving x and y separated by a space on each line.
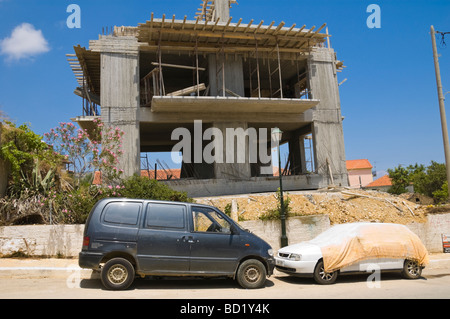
126 199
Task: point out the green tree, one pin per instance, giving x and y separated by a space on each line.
441 195
428 180
400 179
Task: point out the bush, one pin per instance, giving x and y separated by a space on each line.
441 195
145 188
35 167
74 207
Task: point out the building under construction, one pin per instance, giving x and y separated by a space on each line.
168 72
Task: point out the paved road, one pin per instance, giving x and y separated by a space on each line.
435 283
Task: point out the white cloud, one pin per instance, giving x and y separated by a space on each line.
25 42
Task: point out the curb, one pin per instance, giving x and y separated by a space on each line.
46 272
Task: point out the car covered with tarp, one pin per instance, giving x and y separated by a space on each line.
355 247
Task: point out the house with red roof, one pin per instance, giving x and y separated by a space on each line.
359 173
381 184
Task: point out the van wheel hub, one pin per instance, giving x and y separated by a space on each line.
118 274
252 274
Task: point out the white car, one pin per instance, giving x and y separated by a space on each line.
355 247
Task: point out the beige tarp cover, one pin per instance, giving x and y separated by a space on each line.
346 244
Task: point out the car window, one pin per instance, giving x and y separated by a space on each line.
165 216
123 213
209 220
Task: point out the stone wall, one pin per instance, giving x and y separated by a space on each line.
66 240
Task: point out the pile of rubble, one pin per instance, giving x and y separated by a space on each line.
342 205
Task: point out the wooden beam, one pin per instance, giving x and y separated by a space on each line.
178 66
189 90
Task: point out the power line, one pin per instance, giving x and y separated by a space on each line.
443 44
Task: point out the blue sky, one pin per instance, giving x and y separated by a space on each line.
389 99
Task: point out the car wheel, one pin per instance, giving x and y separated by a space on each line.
251 274
117 274
322 277
411 269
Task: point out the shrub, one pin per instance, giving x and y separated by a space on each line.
145 188
275 214
34 165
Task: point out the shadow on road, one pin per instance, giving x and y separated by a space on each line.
343 278
173 283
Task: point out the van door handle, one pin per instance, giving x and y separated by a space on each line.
188 239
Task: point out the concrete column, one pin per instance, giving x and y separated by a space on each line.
229 68
120 95
222 10
236 163
328 135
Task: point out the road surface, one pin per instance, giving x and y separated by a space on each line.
435 284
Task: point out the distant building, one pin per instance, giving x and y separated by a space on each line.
381 184
359 173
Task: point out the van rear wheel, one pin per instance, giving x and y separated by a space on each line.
251 274
117 274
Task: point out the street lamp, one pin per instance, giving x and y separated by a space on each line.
276 135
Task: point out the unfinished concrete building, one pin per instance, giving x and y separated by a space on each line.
167 73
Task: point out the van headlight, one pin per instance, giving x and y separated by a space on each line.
270 252
295 257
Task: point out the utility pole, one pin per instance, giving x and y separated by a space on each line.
441 105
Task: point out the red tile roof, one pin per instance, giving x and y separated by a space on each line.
358 164
382 181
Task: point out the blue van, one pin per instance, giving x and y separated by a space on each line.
128 237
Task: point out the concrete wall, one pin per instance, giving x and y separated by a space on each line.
66 240
211 187
298 229
42 240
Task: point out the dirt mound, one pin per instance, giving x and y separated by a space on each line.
341 205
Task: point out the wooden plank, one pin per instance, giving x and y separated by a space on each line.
189 90
178 66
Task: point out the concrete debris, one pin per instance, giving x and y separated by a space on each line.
342 205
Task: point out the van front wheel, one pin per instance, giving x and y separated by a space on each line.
251 274
117 274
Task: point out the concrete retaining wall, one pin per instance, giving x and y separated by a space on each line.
42 240
297 229
66 240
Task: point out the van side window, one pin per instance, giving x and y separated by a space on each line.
122 213
208 220
166 216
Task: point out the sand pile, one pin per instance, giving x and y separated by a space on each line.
341 205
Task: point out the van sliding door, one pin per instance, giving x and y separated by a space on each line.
162 245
